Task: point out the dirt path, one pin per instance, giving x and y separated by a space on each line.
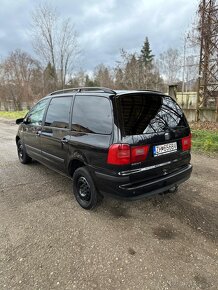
48 242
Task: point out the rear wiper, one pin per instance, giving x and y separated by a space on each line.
170 129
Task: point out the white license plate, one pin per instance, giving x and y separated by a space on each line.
164 149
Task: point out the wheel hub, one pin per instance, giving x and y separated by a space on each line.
83 188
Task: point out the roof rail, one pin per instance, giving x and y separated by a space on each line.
64 91
80 89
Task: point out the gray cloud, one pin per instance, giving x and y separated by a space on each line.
104 27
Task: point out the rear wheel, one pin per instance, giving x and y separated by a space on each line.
22 155
84 189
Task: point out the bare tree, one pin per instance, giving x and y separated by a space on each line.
3 93
20 73
103 76
191 73
54 41
170 64
44 22
78 79
137 71
67 49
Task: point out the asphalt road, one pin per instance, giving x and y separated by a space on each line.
48 242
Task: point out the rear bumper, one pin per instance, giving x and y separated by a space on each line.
121 187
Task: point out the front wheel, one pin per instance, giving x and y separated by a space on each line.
22 155
84 189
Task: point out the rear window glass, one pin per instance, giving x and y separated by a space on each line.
92 115
143 114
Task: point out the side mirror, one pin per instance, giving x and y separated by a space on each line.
20 120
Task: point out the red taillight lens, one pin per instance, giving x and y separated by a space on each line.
119 154
122 154
186 143
139 153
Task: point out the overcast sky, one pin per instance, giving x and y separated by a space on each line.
104 27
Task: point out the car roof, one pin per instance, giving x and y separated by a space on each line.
99 91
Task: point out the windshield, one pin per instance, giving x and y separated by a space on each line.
145 114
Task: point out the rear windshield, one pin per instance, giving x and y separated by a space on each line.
144 114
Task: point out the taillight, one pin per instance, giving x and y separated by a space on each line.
119 154
186 143
122 154
139 153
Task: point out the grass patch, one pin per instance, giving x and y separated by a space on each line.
13 114
205 140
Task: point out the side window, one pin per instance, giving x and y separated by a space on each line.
35 116
92 115
58 112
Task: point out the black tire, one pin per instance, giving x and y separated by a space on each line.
22 155
84 189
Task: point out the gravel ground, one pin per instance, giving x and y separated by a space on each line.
48 242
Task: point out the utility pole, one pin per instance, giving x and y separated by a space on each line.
208 60
184 66
186 39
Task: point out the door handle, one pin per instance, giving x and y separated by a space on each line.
64 140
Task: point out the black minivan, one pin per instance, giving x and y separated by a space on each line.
128 144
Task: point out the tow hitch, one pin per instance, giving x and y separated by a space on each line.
173 189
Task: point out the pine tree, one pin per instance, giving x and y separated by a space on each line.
50 71
119 76
49 79
146 56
